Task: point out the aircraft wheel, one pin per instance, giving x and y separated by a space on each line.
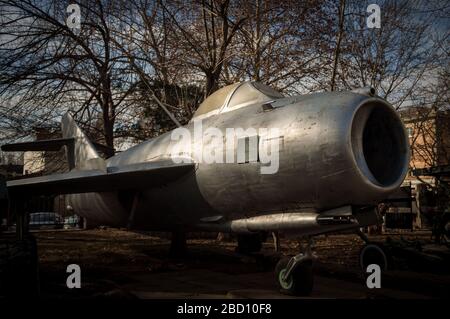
374 254
301 280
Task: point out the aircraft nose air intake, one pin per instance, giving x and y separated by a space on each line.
379 144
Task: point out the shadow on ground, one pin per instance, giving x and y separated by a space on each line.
120 264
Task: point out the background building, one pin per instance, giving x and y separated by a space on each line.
428 177
429 136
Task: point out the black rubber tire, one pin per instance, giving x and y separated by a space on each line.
19 273
374 253
249 243
301 282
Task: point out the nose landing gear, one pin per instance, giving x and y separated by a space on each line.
373 253
294 275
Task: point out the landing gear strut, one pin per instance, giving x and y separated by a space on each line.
294 275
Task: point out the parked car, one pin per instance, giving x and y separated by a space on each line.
42 220
71 221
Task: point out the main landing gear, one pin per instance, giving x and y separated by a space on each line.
294 275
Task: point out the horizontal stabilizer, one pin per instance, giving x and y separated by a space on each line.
55 145
133 176
42 145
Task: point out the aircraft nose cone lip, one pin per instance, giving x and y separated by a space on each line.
379 144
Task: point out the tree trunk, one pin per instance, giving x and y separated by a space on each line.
337 50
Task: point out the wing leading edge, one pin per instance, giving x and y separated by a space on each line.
133 176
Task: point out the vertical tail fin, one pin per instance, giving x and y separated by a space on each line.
83 154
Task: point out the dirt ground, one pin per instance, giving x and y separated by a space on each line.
123 264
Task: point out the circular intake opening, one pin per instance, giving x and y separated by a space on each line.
379 144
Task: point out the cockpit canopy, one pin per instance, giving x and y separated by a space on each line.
235 96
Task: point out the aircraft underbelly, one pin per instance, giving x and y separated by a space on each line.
99 208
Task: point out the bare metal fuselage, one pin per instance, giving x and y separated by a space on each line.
330 155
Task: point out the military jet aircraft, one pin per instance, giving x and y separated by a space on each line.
339 154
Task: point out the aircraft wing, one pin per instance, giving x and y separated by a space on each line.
133 176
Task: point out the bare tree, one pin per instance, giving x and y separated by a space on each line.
48 65
204 30
140 61
280 44
337 49
144 38
394 58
